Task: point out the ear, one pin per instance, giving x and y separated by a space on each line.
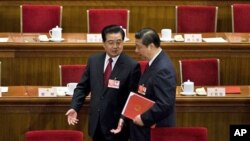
151 46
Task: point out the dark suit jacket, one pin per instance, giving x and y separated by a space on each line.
106 104
160 82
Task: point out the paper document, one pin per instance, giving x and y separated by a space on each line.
4 89
215 40
4 40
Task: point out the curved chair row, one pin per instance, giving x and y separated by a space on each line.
189 18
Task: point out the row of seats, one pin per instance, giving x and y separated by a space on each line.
203 72
42 18
189 19
157 134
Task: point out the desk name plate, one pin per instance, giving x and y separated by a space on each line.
216 91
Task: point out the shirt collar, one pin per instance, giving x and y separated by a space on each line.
107 61
151 61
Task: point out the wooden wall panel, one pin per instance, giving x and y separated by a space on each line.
157 14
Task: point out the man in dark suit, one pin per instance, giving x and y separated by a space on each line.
108 96
158 83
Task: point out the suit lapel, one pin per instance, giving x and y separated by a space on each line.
149 72
100 66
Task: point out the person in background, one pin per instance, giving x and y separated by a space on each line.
158 83
110 77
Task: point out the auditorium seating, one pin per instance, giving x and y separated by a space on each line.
179 134
240 17
54 135
203 72
196 19
71 73
40 18
97 19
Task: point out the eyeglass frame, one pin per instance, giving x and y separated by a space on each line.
114 42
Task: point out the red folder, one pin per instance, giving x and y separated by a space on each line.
232 90
136 105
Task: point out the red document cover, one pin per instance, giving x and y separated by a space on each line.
232 90
136 105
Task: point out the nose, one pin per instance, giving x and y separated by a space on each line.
115 45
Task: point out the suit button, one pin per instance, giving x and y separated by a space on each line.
102 97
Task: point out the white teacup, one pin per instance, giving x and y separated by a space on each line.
56 33
71 87
166 34
188 87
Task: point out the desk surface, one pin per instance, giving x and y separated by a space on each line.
37 62
82 37
30 93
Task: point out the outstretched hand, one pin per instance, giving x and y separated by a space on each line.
72 117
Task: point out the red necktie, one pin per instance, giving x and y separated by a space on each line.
107 72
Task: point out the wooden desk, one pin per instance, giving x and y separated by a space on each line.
21 110
25 61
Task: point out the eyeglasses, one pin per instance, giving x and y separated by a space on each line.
114 42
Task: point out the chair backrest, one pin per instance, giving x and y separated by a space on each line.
40 18
179 134
54 135
240 17
71 73
143 65
97 19
203 72
196 19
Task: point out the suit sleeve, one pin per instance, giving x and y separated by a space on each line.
82 90
134 78
163 93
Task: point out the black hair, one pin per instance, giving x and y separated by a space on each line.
148 36
112 29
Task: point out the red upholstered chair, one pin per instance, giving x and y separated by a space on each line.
97 19
54 135
40 18
71 73
179 134
203 72
240 17
196 19
143 65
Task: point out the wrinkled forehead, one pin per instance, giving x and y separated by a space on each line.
113 36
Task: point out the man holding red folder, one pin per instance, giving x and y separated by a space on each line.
158 83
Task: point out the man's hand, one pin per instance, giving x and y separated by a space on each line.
138 121
72 117
119 127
